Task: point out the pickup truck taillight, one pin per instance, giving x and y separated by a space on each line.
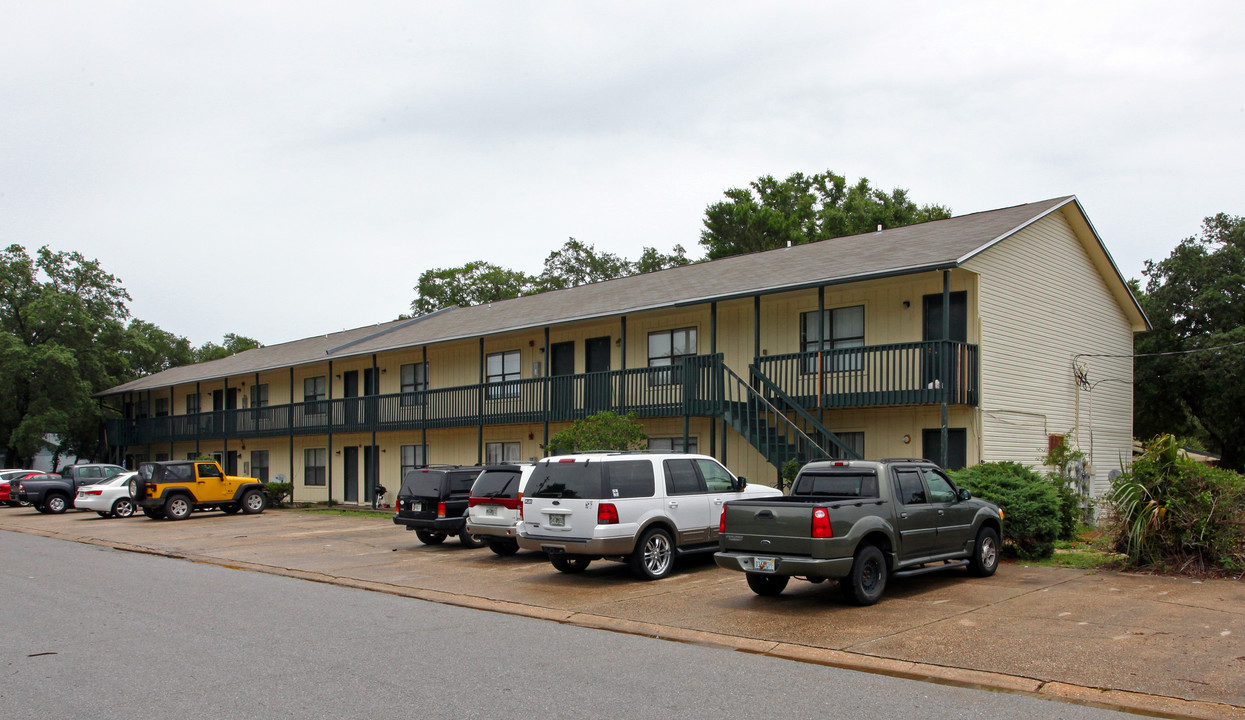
722 523
440 509
821 523
607 514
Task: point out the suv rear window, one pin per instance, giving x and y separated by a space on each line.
592 480
838 485
423 483
497 484
173 473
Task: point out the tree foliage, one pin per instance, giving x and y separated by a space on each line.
232 345
575 263
1190 369
772 213
602 431
61 336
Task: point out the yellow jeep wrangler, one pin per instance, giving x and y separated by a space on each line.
172 489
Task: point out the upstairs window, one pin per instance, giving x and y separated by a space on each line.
259 395
192 404
501 370
668 348
414 377
842 328
315 389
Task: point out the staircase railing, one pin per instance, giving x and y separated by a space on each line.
792 406
765 426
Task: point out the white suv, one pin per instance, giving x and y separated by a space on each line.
641 508
493 509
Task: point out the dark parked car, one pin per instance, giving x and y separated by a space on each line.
433 503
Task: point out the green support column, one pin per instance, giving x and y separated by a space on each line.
945 357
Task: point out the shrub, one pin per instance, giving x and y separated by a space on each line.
1029 502
602 431
279 492
1169 511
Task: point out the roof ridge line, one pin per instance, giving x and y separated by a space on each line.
386 331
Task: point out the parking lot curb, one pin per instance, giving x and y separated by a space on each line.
1119 700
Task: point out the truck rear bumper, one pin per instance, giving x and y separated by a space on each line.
786 565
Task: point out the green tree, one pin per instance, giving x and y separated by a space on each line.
578 264
148 349
1190 369
61 339
773 213
652 260
602 431
475 283
232 345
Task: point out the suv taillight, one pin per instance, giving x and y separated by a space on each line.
607 514
821 523
440 509
520 507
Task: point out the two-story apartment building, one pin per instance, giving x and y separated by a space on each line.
971 339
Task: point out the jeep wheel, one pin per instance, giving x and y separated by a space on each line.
653 558
253 502
570 564
985 559
470 541
768 585
504 547
56 504
430 538
867 580
123 507
230 509
153 513
178 507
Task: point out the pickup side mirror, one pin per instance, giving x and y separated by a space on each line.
964 494
741 482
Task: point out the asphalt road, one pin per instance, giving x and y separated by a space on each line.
94 632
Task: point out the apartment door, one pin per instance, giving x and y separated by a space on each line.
350 391
561 371
371 467
597 365
350 473
931 368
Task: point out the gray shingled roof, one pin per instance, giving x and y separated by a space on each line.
899 251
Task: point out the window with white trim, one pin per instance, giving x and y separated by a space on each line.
500 371
501 452
668 348
413 456
315 466
673 445
414 377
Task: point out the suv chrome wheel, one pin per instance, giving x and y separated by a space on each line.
177 508
654 556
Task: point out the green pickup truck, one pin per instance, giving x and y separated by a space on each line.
860 522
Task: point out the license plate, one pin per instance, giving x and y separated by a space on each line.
557 521
490 509
764 564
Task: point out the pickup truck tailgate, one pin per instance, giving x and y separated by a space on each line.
779 525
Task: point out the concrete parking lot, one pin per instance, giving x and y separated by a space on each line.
1168 646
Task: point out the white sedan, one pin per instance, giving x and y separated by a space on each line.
110 498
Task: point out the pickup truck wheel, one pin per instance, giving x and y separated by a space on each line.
430 538
177 508
504 547
653 558
123 507
985 558
767 585
56 504
470 541
569 564
867 580
253 502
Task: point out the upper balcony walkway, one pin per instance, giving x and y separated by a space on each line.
918 373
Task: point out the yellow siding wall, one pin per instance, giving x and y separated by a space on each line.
1042 304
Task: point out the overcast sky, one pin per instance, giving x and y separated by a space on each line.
287 169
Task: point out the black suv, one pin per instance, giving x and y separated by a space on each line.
433 503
